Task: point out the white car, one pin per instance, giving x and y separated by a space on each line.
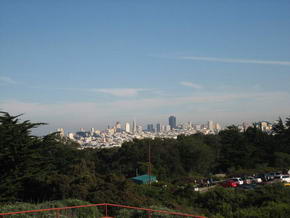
258 179
238 180
285 178
251 179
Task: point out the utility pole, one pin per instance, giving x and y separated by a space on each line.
149 163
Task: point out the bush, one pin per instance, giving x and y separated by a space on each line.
88 212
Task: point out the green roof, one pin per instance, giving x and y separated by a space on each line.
144 179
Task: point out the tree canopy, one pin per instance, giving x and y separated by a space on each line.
37 169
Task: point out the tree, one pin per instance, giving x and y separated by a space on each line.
17 147
278 127
195 155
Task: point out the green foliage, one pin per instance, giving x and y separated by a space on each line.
265 201
49 168
88 212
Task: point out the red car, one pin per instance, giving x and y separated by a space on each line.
229 183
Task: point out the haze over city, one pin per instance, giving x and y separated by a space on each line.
83 64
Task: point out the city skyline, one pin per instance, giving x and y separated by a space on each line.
128 127
116 135
86 64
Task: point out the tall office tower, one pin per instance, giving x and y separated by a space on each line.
172 122
150 128
92 132
134 127
127 127
210 125
158 127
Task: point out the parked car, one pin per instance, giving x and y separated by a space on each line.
238 180
229 183
278 176
252 179
247 180
283 178
274 175
263 177
267 176
258 179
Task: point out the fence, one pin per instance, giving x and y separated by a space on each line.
104 206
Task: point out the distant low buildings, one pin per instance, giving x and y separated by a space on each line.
264 126
116 136
60 132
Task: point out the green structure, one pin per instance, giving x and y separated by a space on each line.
144 179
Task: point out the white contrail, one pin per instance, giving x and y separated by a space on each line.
231 60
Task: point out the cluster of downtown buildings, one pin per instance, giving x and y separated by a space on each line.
115 136
118 134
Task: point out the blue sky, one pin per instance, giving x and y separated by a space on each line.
90 63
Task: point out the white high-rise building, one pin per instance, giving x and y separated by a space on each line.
92 131
127 127
134 126
210 125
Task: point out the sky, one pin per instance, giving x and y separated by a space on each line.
89 63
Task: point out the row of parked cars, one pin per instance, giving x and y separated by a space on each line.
250 182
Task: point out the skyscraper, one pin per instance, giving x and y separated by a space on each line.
158 127
172 122
210 125
150 128
134 128
127 127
